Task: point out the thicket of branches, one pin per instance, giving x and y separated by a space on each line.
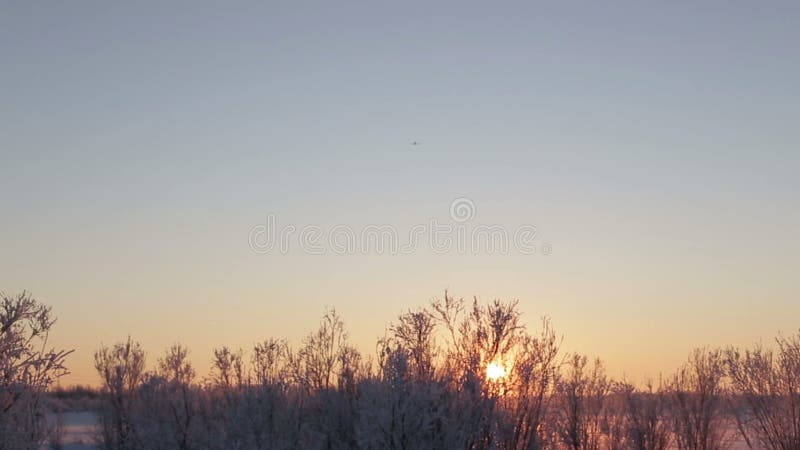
428 389
28 367
451 375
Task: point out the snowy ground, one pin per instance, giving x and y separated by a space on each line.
79 430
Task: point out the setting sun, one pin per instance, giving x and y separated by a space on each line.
495 371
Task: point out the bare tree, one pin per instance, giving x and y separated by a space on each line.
508 410
352 369
175 365
270 362
400 411
697 393
641 419
414 333
315 362
228 367
121 370
482 336
581 396
766 390
176 392
534 377
28 366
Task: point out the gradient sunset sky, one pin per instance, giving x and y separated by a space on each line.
654 146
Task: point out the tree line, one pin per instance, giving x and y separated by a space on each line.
454 374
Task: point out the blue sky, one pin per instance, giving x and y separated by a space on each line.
653 145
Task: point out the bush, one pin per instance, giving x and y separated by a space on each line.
28 367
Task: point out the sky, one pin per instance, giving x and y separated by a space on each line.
654 148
